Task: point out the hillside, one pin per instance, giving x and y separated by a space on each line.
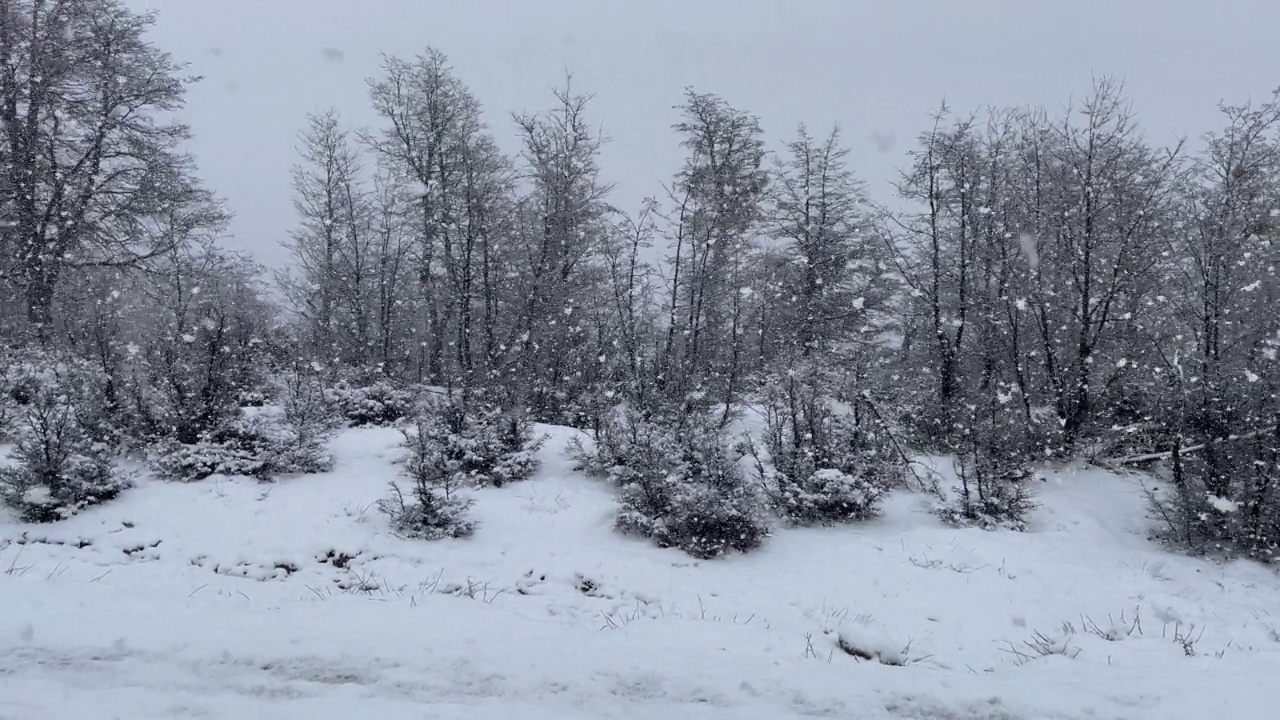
231 598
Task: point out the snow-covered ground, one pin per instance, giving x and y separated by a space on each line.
235 599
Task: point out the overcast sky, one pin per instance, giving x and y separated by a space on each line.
876 67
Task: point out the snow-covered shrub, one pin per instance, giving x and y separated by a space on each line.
431 508
1238 514
677 484
994 491
306 408
62 468
260 446
482 445
31 376
378 403
703 520
252 398
993 465
826 463
201 344
496 447
453 446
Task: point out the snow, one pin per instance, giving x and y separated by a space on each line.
230 598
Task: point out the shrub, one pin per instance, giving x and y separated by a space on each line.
306 410
252 398
452 446
994 491
1227 504
28 378
993 466
259 446
824 465
433 509
677 484
481 446
378 403
61 468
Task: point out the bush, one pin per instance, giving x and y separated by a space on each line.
994 492
252 399
306 409
31 377
823 466
678 485
433 509
376 404
1227 504
61 468
259 446
703 521
497 448
451 447
480 446
994 452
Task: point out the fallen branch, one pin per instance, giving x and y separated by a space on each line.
1149 457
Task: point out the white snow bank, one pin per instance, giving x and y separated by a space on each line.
234 599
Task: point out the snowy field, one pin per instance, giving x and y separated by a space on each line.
234 599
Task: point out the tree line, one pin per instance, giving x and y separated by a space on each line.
1047 283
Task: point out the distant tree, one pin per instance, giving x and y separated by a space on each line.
335 247
394 240
434 140
935 250
627 326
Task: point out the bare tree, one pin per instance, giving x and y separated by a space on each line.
334 244
832 278
935 248
420 103
1219 336
1106 201
719 194
566 219
91 151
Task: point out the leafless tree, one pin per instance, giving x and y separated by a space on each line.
91 151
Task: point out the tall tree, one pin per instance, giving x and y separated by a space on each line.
86 107
832 276
434 137
935 250
1105 205
718 195
567 219
333 245
1220 334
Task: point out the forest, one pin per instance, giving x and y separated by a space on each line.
762 343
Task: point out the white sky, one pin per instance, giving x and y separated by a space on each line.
876 67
